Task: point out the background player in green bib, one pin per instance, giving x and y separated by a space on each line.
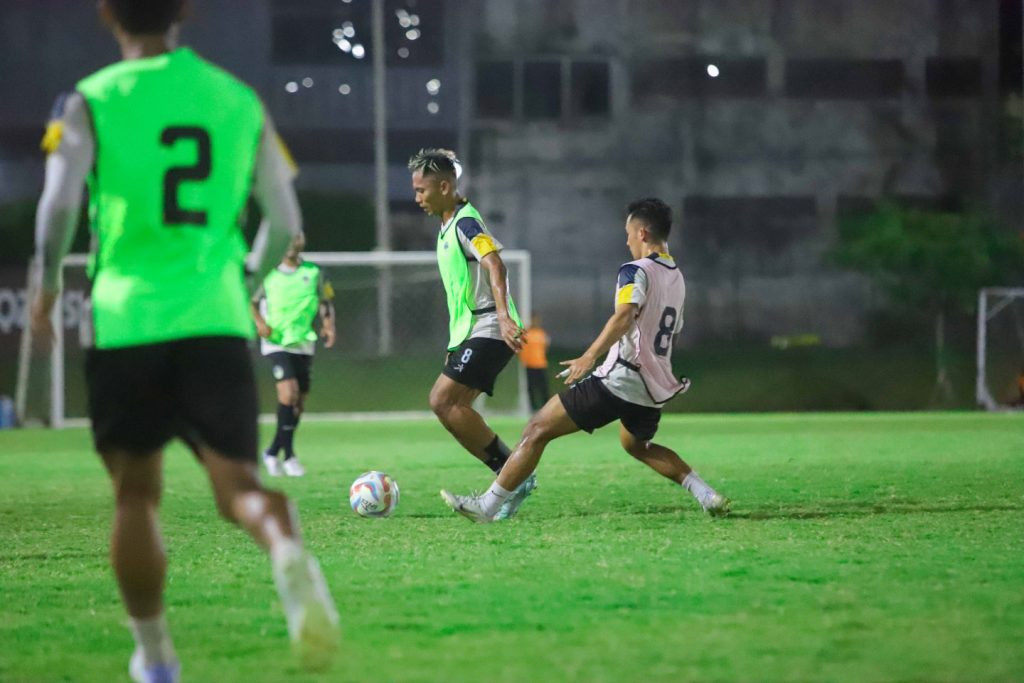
285 308
484 327
172 147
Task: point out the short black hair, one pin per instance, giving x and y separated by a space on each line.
654 213
146 16
432 161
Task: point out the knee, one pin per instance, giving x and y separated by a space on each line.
536 433
288 393
633 446
440 404
235 499
137 494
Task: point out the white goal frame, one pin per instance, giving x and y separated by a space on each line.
385 304
1000 298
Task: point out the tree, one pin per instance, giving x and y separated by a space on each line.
931 261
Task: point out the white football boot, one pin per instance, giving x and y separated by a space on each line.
272 464
154 673
312 618
293 468
511 505
715 504
467 506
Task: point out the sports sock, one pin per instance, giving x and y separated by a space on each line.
289 452
275 445
697 486
497 454
492 500
286 421
154 639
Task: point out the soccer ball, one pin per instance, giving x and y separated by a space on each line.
373 494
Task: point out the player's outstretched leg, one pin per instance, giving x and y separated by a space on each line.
667 463
510 487
139 561
270 520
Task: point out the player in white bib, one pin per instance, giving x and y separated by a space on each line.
632 384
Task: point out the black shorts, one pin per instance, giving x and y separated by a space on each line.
200 389
590 405
285 365
476 363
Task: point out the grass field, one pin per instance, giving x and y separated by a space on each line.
868 547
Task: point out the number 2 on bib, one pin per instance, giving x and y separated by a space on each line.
173 212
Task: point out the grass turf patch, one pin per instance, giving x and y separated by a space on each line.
863 547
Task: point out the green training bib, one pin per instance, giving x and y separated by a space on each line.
458 283
292 304
176 143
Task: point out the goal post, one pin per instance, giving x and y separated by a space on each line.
392 329
1000 347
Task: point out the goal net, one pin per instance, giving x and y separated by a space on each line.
392 325
1000 348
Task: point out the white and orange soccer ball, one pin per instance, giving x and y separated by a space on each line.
373 494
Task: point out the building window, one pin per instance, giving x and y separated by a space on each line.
542 90
953 77
844 79
698 77
589 94
495 90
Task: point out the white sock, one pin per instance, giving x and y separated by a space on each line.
493 499
154 639
285 550
698 487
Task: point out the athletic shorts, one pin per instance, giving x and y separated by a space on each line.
285 365
200 389
590 405
476 363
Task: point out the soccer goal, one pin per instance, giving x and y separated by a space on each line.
1000 348
392 325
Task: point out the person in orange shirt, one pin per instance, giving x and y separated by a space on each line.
534 357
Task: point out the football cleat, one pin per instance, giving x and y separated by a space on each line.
308 608
716 505
293 468
272 464
511 505
467 506
154 673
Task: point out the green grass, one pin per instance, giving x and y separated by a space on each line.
871 547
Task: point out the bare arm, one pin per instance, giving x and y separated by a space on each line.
327 329
511 333
618 324
262 328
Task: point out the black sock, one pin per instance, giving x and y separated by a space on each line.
275 445
286 421
497 454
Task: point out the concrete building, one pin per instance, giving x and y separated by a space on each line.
759 121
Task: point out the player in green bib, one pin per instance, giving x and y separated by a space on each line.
285 309
484 329
172 147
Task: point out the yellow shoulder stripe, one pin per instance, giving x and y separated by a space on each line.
52 137
286 153
625 295
484 244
